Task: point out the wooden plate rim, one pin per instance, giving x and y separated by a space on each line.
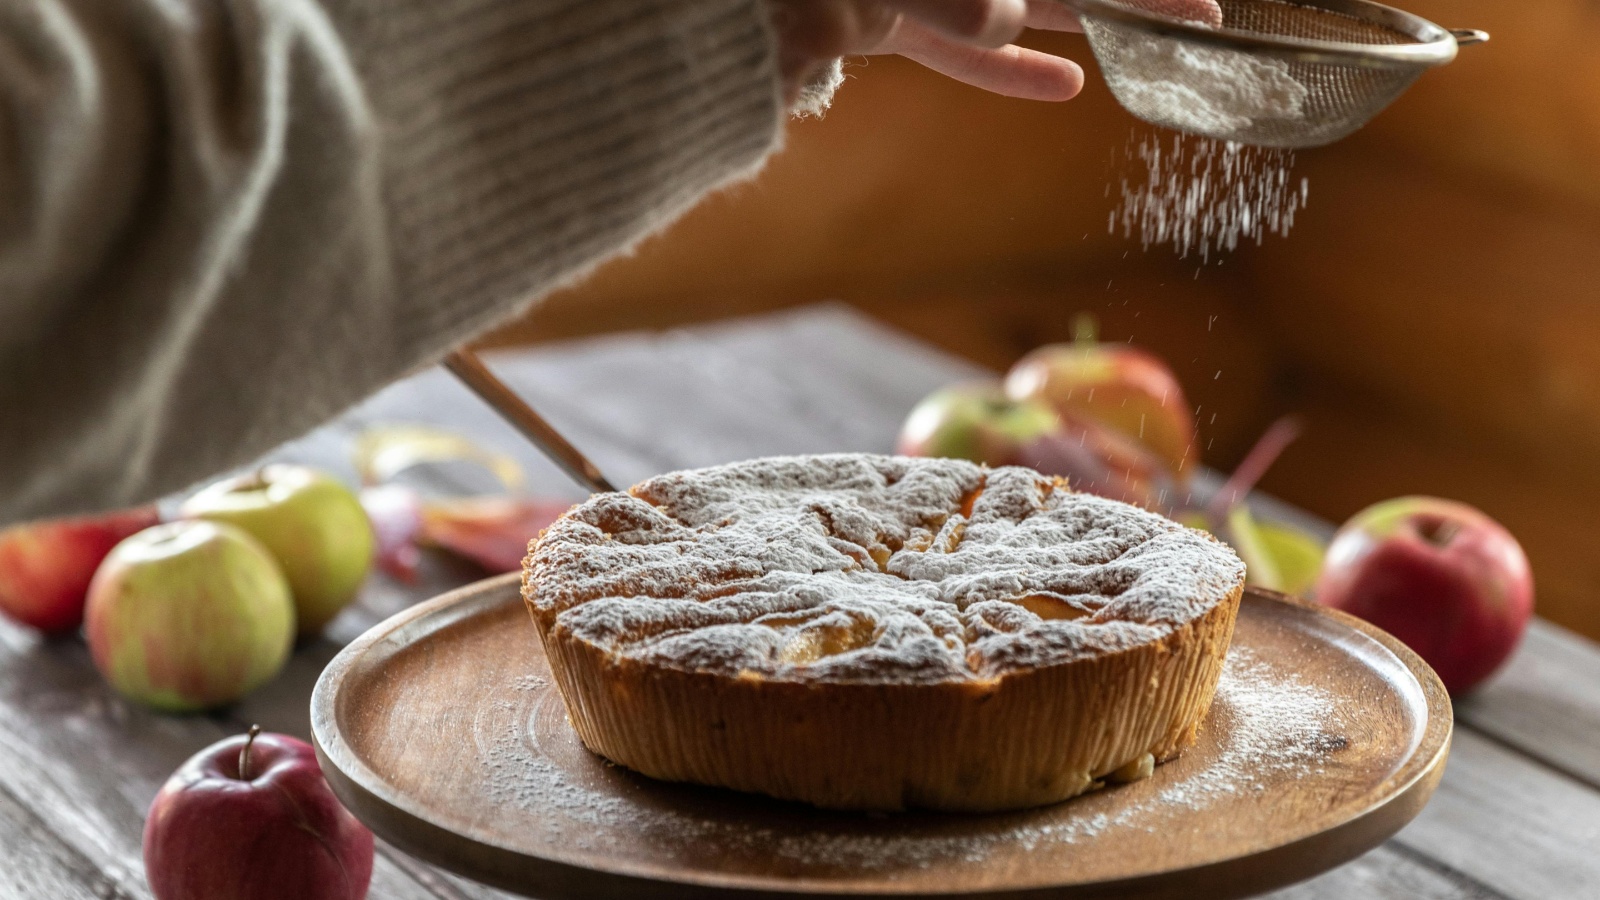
1391 804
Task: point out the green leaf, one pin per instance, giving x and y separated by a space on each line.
1260 566
1297 555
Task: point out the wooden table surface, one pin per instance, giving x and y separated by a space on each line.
1517 815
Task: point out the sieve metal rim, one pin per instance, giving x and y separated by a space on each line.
1434 45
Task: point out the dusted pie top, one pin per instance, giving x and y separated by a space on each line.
862 568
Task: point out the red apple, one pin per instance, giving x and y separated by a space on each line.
976 421
1444 578
1098 460
1117 385
45 567
189 616
251 818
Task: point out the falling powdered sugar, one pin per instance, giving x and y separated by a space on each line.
1198 193
1205 196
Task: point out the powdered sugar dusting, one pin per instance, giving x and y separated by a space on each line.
1276 724
1267 723
1204 90
858 567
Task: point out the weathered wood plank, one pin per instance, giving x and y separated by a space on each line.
1390 872
795 383
1505 821
37 864
86 764
1545 703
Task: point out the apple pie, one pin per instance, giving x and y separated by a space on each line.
874 632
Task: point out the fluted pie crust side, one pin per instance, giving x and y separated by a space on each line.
1027 739
869 723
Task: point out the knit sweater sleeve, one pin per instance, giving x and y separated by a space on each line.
222 222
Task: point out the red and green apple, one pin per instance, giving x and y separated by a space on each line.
189 616
1117 385
978 422
1443 577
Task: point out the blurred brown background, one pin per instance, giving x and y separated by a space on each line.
1434 316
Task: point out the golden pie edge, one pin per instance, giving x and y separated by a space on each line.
1027 738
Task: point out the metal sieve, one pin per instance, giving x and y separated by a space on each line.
1276 74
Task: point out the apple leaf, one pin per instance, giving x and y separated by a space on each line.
1277 556
395 512
384 451
491 531
1261 568
1298 556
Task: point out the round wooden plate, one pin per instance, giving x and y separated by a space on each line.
442 730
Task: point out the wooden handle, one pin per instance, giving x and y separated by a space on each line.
466 365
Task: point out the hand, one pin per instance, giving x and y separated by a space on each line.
969 40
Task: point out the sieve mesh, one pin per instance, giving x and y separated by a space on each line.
1280 97
1306 22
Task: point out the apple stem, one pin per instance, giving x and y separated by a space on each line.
1438 532
244 753
1266 451
1085 330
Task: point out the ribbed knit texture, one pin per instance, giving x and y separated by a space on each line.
224 221
587 121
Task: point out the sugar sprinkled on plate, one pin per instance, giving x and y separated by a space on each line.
1271 721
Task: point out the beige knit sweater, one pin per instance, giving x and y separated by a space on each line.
224 221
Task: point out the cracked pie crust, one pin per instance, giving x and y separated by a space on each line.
882 633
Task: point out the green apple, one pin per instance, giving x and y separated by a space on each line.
189 616
309 521
976 421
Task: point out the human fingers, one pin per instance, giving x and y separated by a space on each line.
1051 15
1011 71
824 29
980 23
812 32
